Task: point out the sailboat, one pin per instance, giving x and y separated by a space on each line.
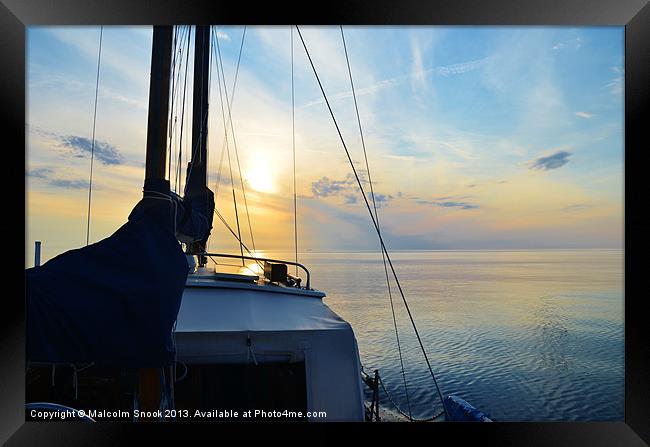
139 327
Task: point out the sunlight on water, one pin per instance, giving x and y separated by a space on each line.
522 335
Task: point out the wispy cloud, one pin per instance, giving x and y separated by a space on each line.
400 157
576 207
553 161
447 204
368 90
325 187
82 147
348 189
615 86
585 115
417 77
462 67
51 178
575 43
223 36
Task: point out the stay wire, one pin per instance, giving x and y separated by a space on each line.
179 166
177 69
232 181
372 217
234 140
171 108
374 205
232 99
293 145
92 146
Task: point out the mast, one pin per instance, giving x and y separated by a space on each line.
161 56
200 105
197 167
149 388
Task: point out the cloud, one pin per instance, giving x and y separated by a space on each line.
41 173
348 189
417 77
223 36
81 147
553 161
69 184
400 157
575 43
350 199
448 204
381 199
462 67
584 114
50 177
615 86
324 187
576 207
368 90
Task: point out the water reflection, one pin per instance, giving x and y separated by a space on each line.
524 335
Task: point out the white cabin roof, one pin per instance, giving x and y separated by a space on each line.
215 305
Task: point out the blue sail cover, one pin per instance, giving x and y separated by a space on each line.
194 216
198 208
113 302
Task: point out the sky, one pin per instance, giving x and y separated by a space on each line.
476 137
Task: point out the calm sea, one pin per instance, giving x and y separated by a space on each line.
521 335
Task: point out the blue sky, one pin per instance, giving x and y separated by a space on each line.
478 137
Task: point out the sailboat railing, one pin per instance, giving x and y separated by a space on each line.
252 258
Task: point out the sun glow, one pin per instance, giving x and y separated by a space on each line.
260 174
252 268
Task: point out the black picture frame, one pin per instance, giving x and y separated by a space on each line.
15 15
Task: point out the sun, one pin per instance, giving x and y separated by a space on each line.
260 174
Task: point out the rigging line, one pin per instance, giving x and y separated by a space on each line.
374 205
229 105
372 217
293 145
232 99
223 145
223 220
179 35
232 181
207 140
92 146
179 166
218 181
204 121
181 87
196 149
234 140
171 108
